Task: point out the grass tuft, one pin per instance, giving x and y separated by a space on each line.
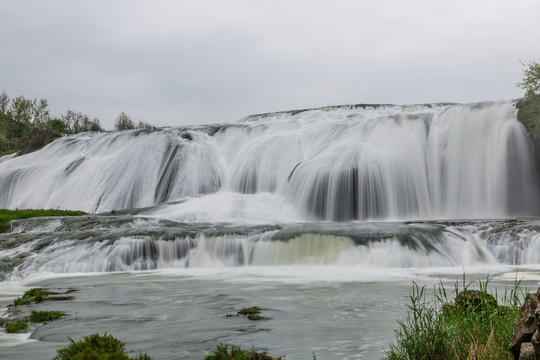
97 346
470 326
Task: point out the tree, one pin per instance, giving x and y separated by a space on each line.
144 125
56 125
4 102
531 78
22 110
95 125
123 122
74 121
40 112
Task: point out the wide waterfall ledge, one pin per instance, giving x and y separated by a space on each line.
340 163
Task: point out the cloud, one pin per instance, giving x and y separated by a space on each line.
181 62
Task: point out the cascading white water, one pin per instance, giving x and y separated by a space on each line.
340 163
126 243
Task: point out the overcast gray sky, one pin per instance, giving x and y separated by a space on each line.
204 61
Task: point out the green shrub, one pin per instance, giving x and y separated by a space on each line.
97 347
443 329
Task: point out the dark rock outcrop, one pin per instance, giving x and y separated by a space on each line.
525 343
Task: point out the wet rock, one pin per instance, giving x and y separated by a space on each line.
536 341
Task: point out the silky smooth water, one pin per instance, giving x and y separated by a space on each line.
340 163
322 217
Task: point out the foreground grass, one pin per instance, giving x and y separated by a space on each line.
7 215
468 327
96 347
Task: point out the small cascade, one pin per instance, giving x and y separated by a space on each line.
135 244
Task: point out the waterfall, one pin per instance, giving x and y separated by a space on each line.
338 163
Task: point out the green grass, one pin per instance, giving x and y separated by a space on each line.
97 347
447 329
7 215
45 316
17 327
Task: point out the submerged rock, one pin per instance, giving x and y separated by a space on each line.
475 299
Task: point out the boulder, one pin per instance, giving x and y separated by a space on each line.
526 351
536 341
475 298
526 325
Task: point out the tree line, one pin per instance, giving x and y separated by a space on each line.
27 124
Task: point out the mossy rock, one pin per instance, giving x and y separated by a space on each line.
250 311
46 316
16 327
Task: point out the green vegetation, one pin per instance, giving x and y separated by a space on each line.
529 115
223 352
529 106
35 295
45 316
473 326
26 125
250 311
531 78
97 347
7 215
9 152
17 327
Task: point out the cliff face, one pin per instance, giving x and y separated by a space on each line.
529 116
